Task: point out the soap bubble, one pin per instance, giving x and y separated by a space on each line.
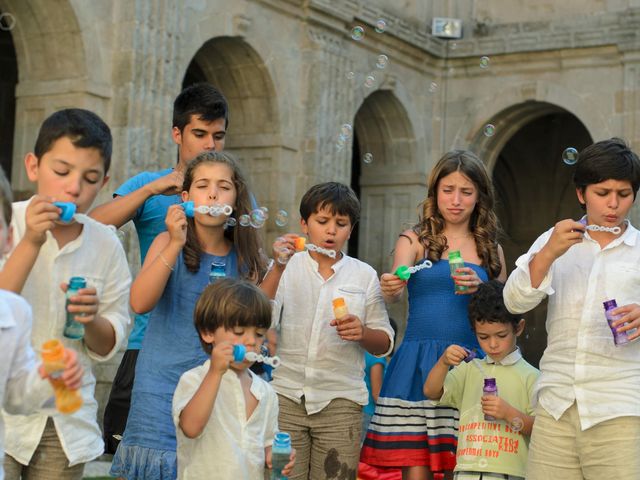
346 131
284 254
453 46
517 424
350 75
489 130
231 222
357 33
244 220
367 158
369 81
265 210
382 61
433 87
282 218
257 218
7 21
482 463
570 156
484 62
381 25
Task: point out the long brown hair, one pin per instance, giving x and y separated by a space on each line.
251 262
483 223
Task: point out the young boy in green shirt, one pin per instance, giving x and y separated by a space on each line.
497 448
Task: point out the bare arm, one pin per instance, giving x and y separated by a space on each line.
375 378
407 252
434 385
269 284
163 253
502 277
123 208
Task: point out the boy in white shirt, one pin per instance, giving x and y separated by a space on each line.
226 416
69 164
22 389
320 383
588 414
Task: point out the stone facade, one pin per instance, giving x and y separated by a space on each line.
560 74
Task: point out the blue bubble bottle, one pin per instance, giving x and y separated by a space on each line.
280 454
73 329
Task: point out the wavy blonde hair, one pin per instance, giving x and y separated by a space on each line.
483 223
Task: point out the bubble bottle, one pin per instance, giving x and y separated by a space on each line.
67 401
619 338
73 329
455 262
339 308
280 454
218 271
490 388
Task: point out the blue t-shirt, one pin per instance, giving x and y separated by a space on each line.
370 361
149 222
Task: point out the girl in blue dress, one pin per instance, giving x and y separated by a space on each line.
407 430
175 272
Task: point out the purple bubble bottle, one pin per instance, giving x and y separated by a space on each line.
619 338
490 388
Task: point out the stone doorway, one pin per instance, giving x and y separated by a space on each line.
8 81
534 187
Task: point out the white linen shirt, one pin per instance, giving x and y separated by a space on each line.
316 362
21 388
230 446
98 256
581 362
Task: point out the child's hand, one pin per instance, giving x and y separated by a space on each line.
631 316
286 471
391 285
40 216
566 234
495 406
349 327
176 222
284 247
453 355
72 373
170 184
221 357
466 277
84 304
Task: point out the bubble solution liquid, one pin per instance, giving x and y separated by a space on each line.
490 388
67 401
280 453
455 262
73 329
339 308
619 338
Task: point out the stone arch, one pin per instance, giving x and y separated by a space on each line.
51 51
534 187
235 67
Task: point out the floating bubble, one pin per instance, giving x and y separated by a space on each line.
482 463
517 424
453 46
382 61
257 218
244 220
381 25
282 218
346 131
489 130
433 87
231 222
484 62
7 21
369 81
357 33
367 158
284 254
265 210
570 156
350 75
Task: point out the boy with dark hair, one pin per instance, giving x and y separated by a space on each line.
200 120
21 389
497 448
74 147
588 390
320 382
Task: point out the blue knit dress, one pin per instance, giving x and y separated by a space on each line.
407 429
171 346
